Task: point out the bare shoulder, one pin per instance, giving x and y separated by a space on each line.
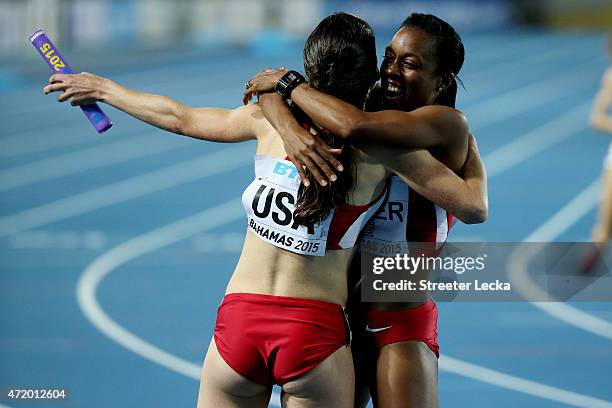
443 114
252 111
261 127
445 119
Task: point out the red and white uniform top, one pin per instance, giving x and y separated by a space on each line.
405 217
269 202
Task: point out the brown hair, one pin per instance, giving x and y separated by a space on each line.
340 60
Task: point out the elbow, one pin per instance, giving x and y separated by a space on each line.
349 127
178 128
179 122
345 130
476 214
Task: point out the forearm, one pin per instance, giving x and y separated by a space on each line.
331 113
277 112
156 110
475 177
465 198
426 127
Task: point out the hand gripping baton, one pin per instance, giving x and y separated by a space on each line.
58 64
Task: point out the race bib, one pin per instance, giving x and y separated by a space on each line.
385 233
270 201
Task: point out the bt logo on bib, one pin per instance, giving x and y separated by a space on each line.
285 169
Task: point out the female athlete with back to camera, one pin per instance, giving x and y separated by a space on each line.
281 320
419 88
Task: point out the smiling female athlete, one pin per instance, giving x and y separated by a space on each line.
281 320
398 342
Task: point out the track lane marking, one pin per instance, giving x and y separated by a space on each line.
550 230
101 267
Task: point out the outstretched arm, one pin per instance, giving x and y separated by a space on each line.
426 127
217 125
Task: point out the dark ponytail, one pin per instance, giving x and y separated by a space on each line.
340 60
448 50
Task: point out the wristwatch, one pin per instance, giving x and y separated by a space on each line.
288 82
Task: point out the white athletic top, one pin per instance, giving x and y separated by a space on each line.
269 202
405 217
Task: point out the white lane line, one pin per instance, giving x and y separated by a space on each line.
518 384
485 77
567 216
89 281
520 100
101 267
560 222
534 45
498 161
15 135
529 97
83 160
537 140
168 177
31 142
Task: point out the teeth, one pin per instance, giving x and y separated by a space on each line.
392 88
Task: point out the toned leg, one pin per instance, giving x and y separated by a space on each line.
330 384
407 376
222 387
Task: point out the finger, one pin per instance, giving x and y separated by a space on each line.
327 155
252 89
248 95
325 152
315 171
324 166
64 96
303 175
54 87
335 152
251 92
75 100
57 78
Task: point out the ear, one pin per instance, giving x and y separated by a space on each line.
444 82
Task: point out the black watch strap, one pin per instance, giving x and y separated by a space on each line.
288 82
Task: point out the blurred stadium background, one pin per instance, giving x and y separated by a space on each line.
115 249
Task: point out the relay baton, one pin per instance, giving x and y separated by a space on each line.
58 64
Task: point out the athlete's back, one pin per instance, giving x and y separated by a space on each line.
278 259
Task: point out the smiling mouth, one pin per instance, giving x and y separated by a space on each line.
392 90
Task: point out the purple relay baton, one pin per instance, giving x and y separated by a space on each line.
58 64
